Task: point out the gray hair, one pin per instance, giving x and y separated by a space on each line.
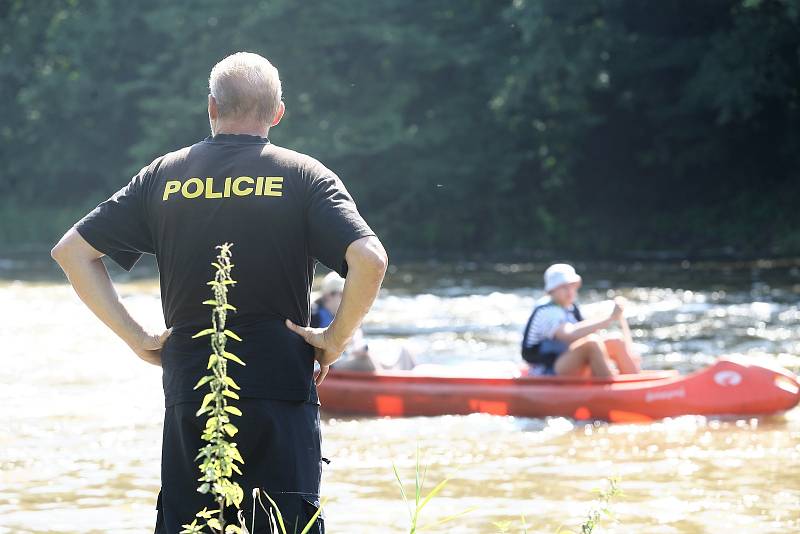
246 86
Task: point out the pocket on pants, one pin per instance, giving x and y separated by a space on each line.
312 509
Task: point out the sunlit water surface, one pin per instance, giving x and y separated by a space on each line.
80 447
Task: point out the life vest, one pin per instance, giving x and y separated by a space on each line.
531 353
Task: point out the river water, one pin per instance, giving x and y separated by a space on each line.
80 446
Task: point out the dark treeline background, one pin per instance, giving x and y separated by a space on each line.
502 128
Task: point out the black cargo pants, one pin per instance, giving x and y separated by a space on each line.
280 444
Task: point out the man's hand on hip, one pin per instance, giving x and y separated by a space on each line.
88 275
326 350
367 261
148 347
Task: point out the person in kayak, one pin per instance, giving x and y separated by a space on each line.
357 356
558 341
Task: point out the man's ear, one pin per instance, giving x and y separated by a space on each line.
279 114
213 112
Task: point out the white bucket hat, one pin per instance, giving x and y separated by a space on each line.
332 283
559 274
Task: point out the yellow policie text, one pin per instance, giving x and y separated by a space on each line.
242 186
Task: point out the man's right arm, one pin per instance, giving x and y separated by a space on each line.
366 266
367 262
569 332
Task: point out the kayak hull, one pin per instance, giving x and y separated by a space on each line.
730 386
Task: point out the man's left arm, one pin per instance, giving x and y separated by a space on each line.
88 275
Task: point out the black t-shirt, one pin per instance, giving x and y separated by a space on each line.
281 209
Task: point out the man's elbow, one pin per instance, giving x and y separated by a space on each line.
68 249
368 254
380 259
59 253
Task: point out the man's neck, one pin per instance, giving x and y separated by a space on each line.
564 305
259 131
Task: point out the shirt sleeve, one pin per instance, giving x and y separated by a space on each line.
547 322
118 226
333 221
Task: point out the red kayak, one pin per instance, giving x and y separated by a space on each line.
731 386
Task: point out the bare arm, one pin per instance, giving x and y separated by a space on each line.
569 332
88 275
366 266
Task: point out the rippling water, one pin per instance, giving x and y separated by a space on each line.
80 449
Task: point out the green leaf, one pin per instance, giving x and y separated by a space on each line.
190 528
208 398
212 302
205 332
233 409
229 393
231 383
236 456
433 493
231 356
277 513
313 517
230 429
448 518
203 380
205 513
402 489
231 334
211 361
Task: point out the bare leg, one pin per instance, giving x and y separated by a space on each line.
618 351
589 351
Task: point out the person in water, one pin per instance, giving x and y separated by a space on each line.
357 356
558 341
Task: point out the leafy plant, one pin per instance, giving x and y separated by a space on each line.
219 456
419 501
601 508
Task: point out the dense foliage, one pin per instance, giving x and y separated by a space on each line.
498 127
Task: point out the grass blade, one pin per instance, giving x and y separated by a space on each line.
402 489
432 494
314 517
449 518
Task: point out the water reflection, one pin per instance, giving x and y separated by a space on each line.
81 447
